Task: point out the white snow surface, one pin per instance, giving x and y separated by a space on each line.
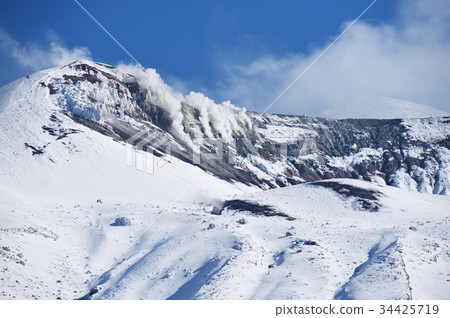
428 129
285 134
349 162
57 207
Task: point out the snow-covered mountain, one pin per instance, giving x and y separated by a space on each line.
265 150
76 195
377 107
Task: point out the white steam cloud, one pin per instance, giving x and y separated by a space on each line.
408 60
35 57
225 116
161 94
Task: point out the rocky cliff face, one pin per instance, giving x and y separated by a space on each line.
265 150
409 153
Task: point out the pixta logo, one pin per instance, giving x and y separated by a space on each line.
142 151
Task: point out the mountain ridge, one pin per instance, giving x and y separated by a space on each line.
265 150
82 217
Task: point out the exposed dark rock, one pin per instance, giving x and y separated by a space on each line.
211 226
299 243
368 199
326 138
310 243
55 119
121 221
254 208
59 132
35 150
51 89
242 221
93 291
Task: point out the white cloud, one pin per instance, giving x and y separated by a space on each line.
34 57
408 60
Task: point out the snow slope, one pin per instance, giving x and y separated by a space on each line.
77 162
187 234
334 249
276 151
53 172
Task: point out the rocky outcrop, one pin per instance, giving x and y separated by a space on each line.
265 150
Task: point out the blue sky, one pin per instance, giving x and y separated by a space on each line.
207 46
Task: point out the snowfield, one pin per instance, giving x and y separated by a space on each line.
334 249
78 222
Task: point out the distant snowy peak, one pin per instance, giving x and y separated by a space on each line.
377 107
